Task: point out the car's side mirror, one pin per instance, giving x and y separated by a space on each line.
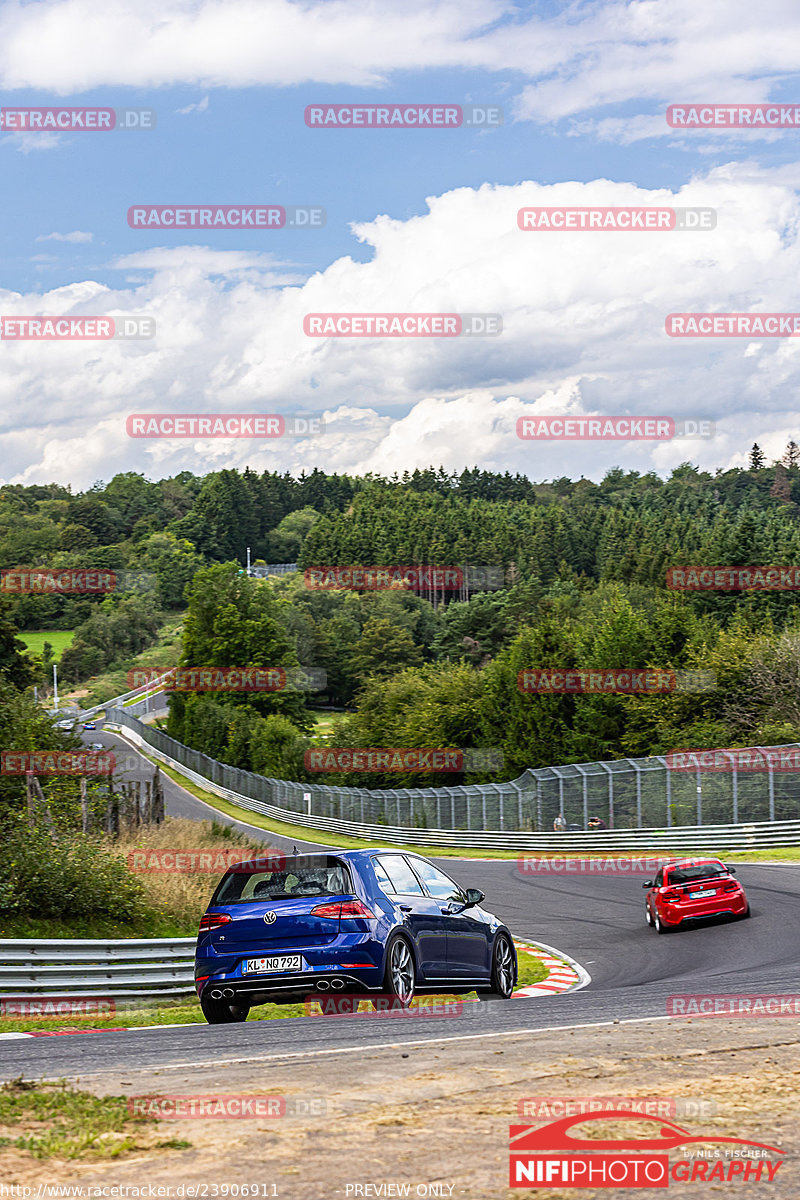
647 883
474 896
731 870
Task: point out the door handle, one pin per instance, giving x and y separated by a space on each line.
447 909
405 908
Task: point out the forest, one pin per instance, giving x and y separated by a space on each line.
581 573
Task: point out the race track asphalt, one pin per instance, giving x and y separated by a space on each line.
596 919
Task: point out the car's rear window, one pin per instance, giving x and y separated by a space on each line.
305 875
700 871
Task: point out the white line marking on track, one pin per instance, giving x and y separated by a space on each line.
366 1048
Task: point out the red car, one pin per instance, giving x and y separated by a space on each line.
690 889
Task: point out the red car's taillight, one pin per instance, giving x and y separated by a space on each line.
670 894
343 909
731 886
212 920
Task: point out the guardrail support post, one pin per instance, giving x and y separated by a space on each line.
771 792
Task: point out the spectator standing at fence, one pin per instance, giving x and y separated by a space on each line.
560 823
597 823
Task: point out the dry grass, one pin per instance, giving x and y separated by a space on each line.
179 896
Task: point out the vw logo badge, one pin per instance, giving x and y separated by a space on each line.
270 918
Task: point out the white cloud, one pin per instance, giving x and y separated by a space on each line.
76 236
579 60
200 107
583 331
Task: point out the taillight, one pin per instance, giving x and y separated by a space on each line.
731 886
343 909
212 920
670 894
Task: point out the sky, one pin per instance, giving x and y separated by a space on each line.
409 220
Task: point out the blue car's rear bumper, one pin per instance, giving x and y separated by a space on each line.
350 961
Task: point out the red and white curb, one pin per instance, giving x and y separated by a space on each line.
564 974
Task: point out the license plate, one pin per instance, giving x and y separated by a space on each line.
702 895
282 962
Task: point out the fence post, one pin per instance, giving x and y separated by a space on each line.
638 793
84 805
669 796
771 791
539 805
699 797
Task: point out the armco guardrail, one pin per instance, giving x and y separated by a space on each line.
518 798
97 967
143 691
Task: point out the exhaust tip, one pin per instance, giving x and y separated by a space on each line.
323 985
227 993
215 994
338 984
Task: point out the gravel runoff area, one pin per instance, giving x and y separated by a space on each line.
435 1116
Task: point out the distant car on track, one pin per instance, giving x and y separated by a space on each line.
380 922
693 889
90 725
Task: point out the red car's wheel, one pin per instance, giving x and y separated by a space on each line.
659 924
648 916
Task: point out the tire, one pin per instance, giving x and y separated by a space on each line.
660 927
648 915
220 1012
503 966
400 975
502 984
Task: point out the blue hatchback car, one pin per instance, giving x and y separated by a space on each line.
371 921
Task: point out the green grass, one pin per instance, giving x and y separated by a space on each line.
25 926
55 1120
785 853
163 654
59 639
323 721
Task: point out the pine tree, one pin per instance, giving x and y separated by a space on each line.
756 458
791 457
